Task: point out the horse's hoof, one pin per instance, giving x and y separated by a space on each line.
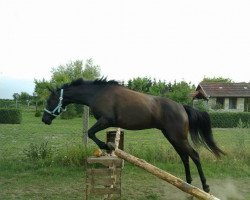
206 188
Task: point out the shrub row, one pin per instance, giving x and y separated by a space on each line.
10 116
230 119
7 103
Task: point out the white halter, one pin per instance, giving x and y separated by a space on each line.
58 108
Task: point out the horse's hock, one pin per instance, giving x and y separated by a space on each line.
103 174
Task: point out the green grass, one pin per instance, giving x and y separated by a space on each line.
29 169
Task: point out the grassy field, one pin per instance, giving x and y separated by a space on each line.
47 162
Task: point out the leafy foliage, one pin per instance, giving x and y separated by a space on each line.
38 113
7 103
24 97
230 119
217 80
64 74
159 88
41 89
36 152
200 105
74 70
10 116
140 84
70 113
179 92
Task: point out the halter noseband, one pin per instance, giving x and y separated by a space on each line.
58 108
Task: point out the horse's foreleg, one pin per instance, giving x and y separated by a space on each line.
101 124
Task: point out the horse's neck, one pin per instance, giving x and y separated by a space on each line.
82 94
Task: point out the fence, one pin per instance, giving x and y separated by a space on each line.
65 146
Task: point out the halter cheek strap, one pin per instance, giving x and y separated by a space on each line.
58 108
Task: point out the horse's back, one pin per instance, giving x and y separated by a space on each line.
134 110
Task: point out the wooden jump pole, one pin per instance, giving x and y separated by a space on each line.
177 182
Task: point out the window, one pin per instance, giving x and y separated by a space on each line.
232 103
220 102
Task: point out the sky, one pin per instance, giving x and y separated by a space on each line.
162 39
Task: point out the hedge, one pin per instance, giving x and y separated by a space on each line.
230 119
10 116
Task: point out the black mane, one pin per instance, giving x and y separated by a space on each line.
81 81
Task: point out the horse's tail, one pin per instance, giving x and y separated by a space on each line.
201 131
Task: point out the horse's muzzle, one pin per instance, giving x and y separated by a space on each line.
46 120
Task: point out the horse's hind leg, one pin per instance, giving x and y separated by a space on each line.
196 159
184 157
184 149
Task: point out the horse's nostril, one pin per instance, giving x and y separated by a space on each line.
46 120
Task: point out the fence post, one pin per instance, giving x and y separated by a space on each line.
85 125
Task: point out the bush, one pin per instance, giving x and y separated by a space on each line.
37 152
7 103
73 156
229 119
10 116
70 113
79 110
38 113
200 105
43 154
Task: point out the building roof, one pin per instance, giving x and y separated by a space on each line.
206 90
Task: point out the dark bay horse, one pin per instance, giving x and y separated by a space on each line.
116 106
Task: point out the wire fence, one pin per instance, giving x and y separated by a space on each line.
65 141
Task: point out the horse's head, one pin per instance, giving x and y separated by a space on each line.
55 106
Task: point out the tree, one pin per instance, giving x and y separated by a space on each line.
217 80
91 71
41 90
15 96
159 88
181 92
25 98
74 70
140 84
64 74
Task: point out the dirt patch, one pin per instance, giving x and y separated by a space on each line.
231 189
150 187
